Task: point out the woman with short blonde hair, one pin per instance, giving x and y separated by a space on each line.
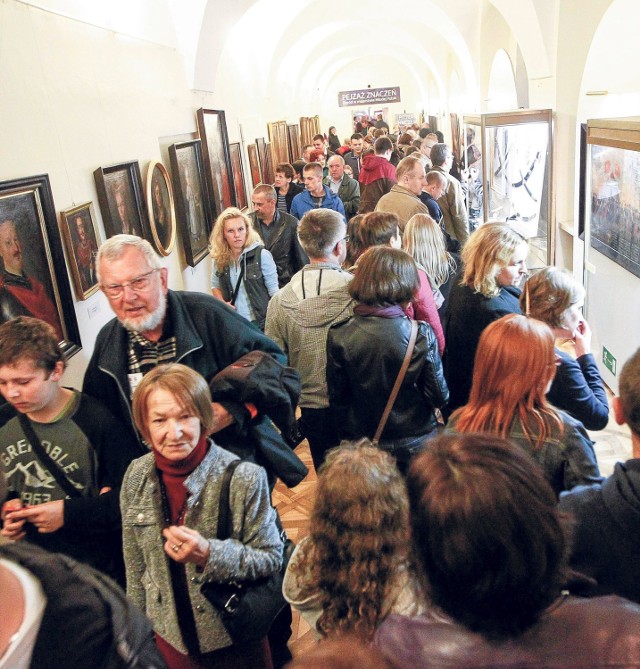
556 298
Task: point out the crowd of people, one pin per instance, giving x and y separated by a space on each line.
460 516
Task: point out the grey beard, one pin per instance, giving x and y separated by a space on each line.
151 322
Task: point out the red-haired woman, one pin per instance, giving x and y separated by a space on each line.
515 365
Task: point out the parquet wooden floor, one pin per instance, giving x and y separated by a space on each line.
294 506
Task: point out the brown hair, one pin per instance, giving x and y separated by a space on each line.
487 531
27 338
548 294
187 386
286 169
359 536
319 231
514 363
384 277
378 228
630 392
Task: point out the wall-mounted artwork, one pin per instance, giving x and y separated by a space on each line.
238 176
262 158
33 274
82 241
212 127
162 218
121 199
279 138
193 213
254 164
295 147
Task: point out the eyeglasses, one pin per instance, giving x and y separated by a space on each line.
139 284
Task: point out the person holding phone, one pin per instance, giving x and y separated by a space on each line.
556 298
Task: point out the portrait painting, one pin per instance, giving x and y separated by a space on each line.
254 164
33 275
162 218
121 199
295 148
238 176
212 128
82 241
193 213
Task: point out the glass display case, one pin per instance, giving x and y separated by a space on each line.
510 178
612 241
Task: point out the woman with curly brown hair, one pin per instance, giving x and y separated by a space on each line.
353 569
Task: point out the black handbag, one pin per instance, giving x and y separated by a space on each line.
247 608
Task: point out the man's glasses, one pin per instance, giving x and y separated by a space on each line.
140 284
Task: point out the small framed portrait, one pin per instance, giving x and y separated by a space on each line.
295 148
238 176
212 128
254 164
82 241
193 211
162 217
121 199
33 274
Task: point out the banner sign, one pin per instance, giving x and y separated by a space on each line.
369 96
406 119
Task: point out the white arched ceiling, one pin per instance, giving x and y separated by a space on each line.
534 27
277 47
502 84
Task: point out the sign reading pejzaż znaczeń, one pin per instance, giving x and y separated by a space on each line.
368 96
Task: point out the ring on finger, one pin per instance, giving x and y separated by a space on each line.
175 548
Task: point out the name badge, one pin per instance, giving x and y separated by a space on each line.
134 380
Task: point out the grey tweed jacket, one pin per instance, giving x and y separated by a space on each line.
254 550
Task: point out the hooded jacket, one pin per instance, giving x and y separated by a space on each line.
298 319
606 543
303 202
377 176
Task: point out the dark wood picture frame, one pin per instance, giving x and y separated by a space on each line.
212 128
269 172
295 146
38 254
82 241
279 138
121 200
192 202
160 208
262 158
254 164
238 176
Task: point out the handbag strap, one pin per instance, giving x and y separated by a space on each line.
37 447
398 383
225 526
236 290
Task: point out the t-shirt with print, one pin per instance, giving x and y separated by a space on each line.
92 451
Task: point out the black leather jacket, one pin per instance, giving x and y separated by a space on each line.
364 356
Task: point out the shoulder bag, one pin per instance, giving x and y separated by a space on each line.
397 384
247 608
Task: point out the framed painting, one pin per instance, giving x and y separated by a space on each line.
162 216
269 175
279 139
295 147
238 176
254 164
33 274
212 128
262 158
121 199
193 213
82 240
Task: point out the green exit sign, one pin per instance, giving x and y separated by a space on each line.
608 360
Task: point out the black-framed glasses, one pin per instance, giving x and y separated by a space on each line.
139 284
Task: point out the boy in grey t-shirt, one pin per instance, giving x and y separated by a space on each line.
81 438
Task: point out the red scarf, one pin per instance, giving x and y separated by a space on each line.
173 475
